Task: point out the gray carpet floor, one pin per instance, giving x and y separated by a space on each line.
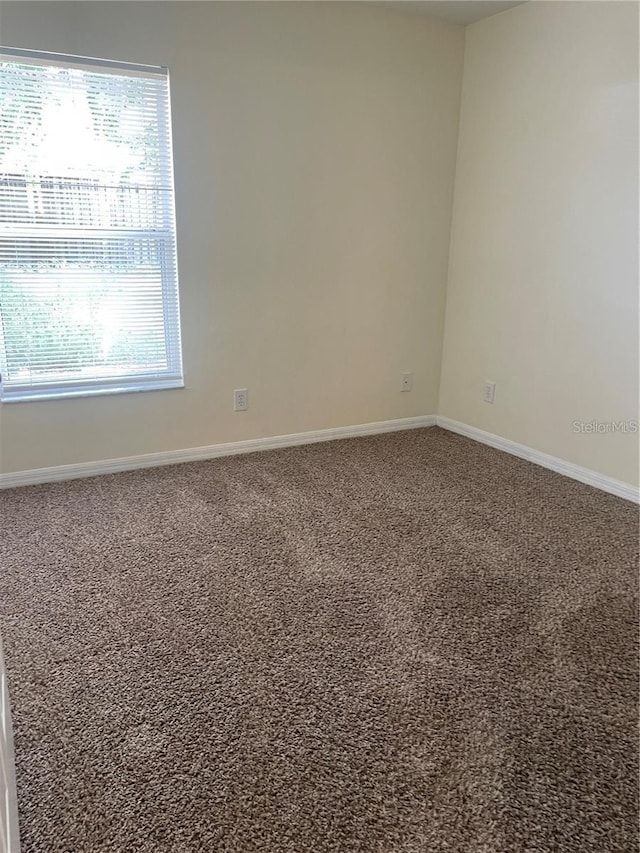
406 643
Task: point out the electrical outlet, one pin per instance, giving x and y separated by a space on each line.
406 381
489 393
240 400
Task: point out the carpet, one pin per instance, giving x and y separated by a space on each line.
406 643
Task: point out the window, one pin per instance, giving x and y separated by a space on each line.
88 271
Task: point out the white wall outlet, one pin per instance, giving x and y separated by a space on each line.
489 392
240 400
406 381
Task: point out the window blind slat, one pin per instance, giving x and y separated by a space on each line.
88 269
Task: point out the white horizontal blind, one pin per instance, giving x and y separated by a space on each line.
88 272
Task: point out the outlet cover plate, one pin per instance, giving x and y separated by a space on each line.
489 392
240 400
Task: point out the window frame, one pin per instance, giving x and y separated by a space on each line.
112 383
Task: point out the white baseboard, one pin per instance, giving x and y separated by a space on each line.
194 454
560 466
10 834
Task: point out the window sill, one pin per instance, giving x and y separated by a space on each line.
33 396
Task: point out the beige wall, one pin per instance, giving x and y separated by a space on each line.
543 284
314 159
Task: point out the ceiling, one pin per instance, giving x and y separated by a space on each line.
455 11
